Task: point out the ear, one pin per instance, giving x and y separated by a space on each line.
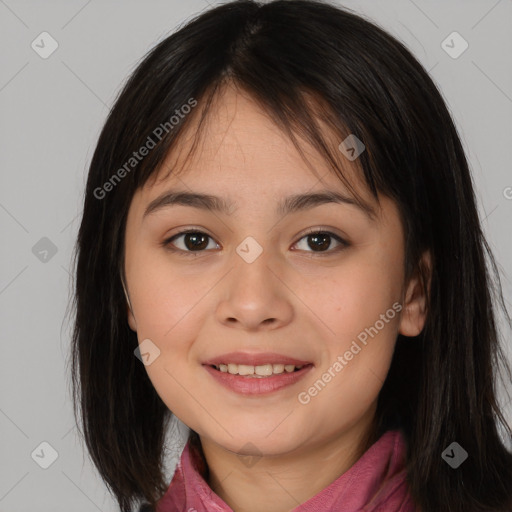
414 311
129 311
131 319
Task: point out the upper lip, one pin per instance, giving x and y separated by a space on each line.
255 359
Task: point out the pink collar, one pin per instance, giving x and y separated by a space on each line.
375 483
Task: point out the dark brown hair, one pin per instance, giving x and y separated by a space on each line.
441 386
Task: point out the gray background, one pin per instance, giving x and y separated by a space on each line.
52 111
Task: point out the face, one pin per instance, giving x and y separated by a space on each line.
253 280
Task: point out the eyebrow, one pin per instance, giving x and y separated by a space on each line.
290 204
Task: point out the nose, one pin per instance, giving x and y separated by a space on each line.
253 296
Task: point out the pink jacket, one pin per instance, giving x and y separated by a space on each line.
375 483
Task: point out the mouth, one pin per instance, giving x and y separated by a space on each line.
260 371
256 374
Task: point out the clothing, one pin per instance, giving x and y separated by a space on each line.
375 483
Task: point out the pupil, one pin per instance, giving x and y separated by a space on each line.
194 237
319 237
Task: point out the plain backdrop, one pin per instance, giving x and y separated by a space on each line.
51 113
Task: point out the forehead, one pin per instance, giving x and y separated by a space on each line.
243 155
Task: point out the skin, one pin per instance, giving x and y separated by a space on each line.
291 300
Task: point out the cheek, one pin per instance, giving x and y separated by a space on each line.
355 366
164 297
358 294
169 312
363 310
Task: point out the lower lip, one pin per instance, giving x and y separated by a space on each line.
255 385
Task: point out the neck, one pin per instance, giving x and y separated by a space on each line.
289 479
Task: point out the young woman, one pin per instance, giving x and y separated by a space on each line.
280 246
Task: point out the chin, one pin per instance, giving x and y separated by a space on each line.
258 442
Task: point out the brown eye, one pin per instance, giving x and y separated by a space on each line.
321 241
192 241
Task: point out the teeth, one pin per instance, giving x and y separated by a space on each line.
278 368
263 370
244 369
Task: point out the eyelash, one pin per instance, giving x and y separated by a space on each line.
167 244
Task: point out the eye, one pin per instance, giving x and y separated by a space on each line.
319 241
193 241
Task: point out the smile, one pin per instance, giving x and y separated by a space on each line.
257 380
264 370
